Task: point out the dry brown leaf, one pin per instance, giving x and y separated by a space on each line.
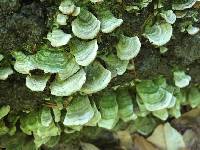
167 138
189 124
189 138
188 120
125 138
193 113
158 137
140 143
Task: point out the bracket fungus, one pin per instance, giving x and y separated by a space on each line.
57 114
71 67
4 110
58 38
97 116
181 99
163 49
23 64
84 51
115 65
194 97
51 61
79 111
67 7
97 78
86 26
154 96
31 124
182 4
158 34
128 47
5 72
181 79
96 1
192 30
37 82
125 105
169 16
142 111
61 19
144 3
1 57
46 117
82 77
108 21
176 110
76 11
145 125
161 114
109 110
68 86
